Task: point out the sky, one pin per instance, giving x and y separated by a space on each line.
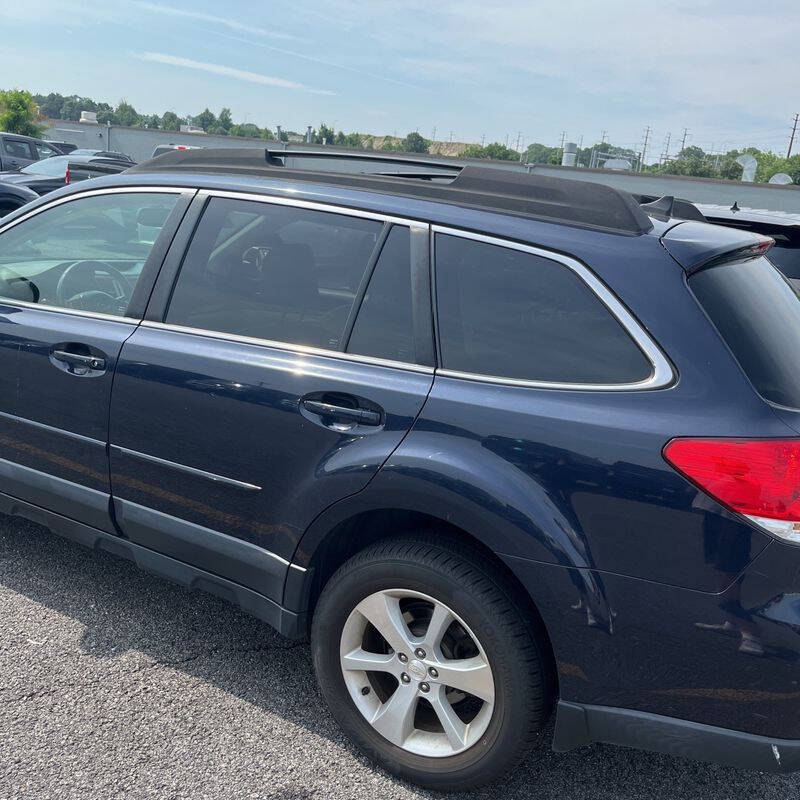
527 70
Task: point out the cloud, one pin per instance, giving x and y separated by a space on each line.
228 72
314 59
202 16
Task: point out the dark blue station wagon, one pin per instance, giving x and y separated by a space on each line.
500 444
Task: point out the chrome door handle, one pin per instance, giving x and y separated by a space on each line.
79 360
362 416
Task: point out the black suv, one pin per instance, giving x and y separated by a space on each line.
501 444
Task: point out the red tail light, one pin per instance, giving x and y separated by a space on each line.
66 176
757 478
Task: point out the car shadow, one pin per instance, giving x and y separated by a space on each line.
125 610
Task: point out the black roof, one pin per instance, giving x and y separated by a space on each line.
580 203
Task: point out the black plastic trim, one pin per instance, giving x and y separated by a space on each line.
578 725
253 603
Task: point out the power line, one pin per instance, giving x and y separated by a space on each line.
791 140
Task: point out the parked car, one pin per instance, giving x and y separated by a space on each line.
783 227
61 147
12 197
168 148
52 173
502 445
113 154
17 151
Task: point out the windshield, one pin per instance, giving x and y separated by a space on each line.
55 167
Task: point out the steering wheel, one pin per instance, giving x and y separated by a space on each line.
72 291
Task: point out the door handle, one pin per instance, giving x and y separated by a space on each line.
361 416
79 360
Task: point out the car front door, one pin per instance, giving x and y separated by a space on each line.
280 363
74 278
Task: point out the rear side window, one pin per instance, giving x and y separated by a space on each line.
273 272
758 314
511 314
384 326
17 149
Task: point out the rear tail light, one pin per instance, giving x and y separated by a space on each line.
757 478
66 176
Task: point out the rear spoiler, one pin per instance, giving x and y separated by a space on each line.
696 245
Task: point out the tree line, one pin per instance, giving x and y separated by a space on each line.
22 112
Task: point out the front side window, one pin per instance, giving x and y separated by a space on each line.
511 314
273 272
44 150
85 254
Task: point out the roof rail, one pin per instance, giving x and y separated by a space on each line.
571 202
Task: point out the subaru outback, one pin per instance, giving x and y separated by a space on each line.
502 445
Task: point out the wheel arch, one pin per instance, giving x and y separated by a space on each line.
331 541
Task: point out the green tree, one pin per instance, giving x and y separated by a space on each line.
538 153
105 114
170 121
324 135
126 114
205 119
50 105
495 150
224 120
18 113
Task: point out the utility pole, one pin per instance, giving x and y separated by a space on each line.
483 140
519 134
507 135
603 137
683 141
563 139
665 154
791 140
644 147
433 138
451 137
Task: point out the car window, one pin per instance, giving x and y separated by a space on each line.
511 314
44 150
384 326
85 254
757 312
55 167
16 149
251 271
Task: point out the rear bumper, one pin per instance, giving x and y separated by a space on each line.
578 725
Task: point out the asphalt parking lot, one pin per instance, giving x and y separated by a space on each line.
114 683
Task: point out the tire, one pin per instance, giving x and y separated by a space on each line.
425 582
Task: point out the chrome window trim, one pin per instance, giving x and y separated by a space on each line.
76 312
93 192
311 205
299 349
662 374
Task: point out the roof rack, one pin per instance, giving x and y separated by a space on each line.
581 203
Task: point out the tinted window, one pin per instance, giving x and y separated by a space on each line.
273 272
16 148
511 314
86 254
786 258
384 326
758 314
44 150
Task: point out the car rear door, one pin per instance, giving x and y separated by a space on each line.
263 385
17 153
74 280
